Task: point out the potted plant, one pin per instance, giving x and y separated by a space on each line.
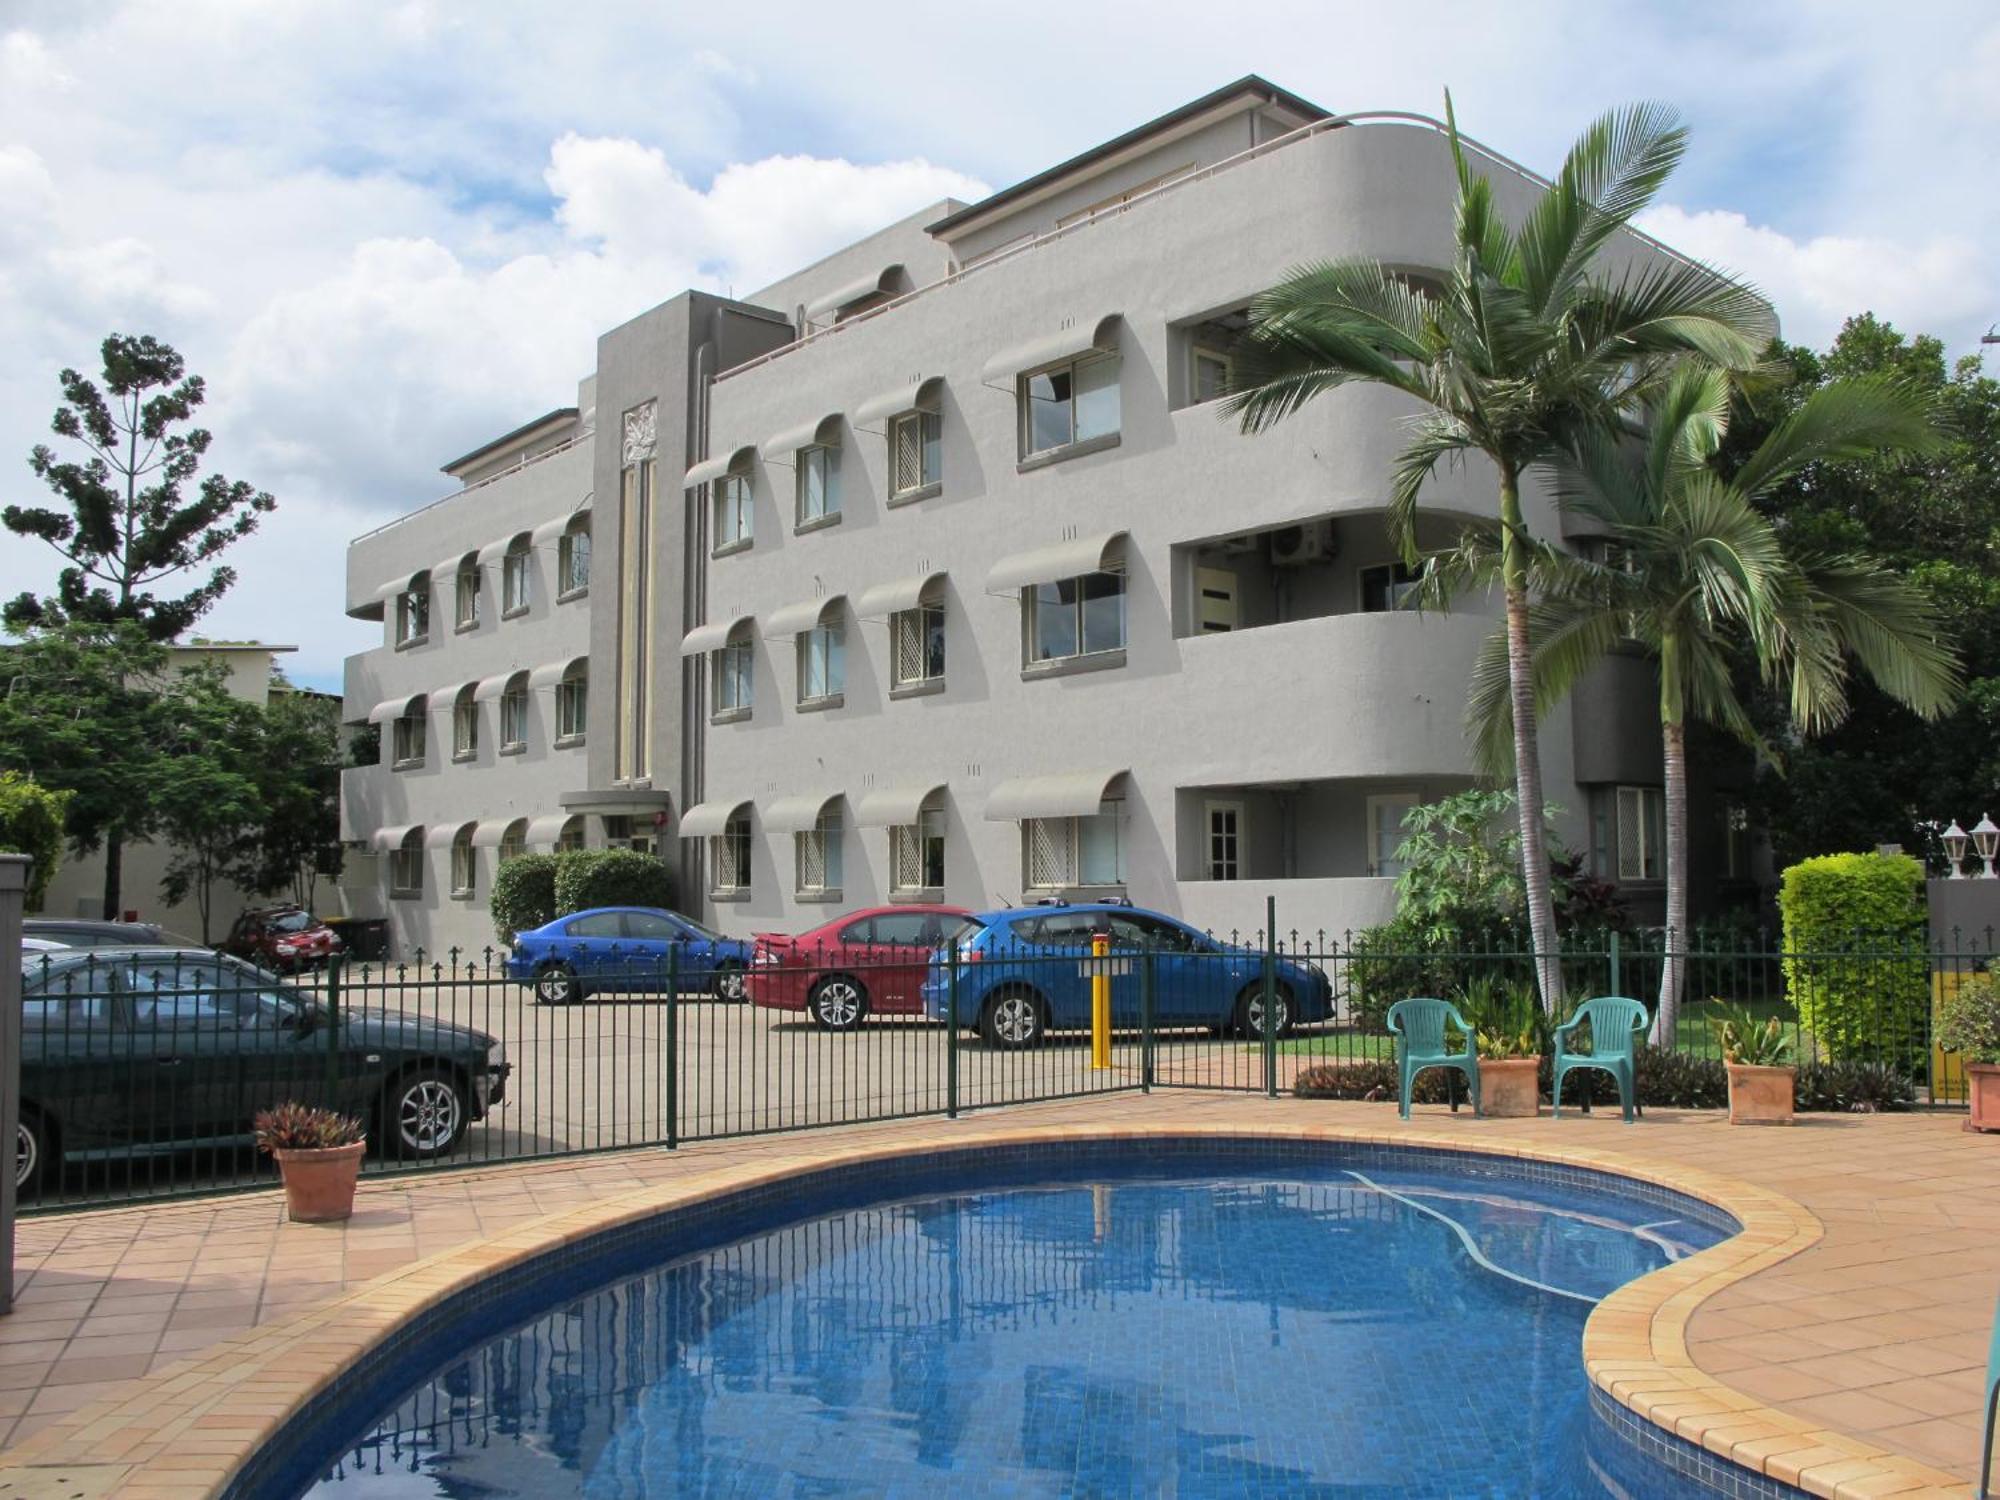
1968 1023
1761 1082
318 1154
1508 1033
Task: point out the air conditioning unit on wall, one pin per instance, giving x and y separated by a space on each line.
1294 546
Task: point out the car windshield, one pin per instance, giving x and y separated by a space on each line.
291 921
696 928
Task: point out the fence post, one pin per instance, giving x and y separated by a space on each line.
951 1035
13 892
333 966
1616 988
673 1046
1270 997
1146 981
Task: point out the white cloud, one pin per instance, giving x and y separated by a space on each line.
1920 284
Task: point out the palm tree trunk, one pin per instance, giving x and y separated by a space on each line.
1527 748
1673 745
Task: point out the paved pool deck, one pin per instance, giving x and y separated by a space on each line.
1839 1344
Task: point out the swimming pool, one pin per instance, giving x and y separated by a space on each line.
1210 1317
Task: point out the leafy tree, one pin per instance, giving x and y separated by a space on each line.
80 712
126 522
31 823
208 801
1528 347
1697 577
1884 774
297 838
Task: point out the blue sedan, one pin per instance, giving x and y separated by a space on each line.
626 948
1026 971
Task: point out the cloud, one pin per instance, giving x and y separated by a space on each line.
1920 284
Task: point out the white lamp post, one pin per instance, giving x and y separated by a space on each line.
1954 840
1986 840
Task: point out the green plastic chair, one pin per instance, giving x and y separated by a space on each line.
1418 1026
1616 1024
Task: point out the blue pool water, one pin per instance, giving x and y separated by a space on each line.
1363 1329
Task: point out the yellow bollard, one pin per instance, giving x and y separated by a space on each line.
1100 1000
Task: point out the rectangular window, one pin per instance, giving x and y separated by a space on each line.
1062 852
512 845
406 869
1641 833
413 616
819 483
1069 403
573 563
818 853
822 663
732 511
916 645
468 598
572 704
514 719
916 853
732 856
1076 617
1385 832
409 740
514 582
734 673
463 867
916 452
1225 841
465 728
1213 371
1385 587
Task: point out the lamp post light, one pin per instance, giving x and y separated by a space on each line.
1986 840
1954 840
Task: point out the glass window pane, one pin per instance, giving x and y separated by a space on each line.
1096 399
836 661
933 446
1100 857
1103 611
1055 622
1049 409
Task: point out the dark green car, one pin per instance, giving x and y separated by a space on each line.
132 1054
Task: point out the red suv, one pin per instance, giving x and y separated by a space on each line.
284 938
874 960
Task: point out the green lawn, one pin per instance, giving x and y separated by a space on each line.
1691 1028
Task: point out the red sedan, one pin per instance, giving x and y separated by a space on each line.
840 971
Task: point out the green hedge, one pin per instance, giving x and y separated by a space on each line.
1855 960
524 894
610 877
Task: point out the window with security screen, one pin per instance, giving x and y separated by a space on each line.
1062 852
916 853
916 645
818 853
1629 836
731 856
916 453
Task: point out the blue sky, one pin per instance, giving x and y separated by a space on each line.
388 231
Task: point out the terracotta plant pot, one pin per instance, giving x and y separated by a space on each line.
1760 1096
1982 1091
319 1185
1510 1088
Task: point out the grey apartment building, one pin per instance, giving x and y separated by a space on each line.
933 572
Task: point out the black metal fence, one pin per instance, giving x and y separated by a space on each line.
141 1073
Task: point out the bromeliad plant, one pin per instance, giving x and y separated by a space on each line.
1748 1041
1506 1020
292 1126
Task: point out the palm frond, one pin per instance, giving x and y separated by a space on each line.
1613 171
1893 629
1675 307
1850 419
1484 244
1436 439
1686 423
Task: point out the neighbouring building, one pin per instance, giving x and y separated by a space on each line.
932 572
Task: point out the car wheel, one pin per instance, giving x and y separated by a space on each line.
838 1003
423 1116
35 1155
556 985
1012 1021
1250 1011
728 983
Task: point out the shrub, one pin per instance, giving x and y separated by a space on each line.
1853 1088
1409 956
610 877
524 894
31 823
1666 1080
1969 1020
298 1127
1855 962
1373 1079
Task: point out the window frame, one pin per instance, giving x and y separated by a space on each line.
513 842
514 704
910 851
464 866
1077 441
741 653
1374 860
1033 606
1198 353
734 494
923 619
929 447
826 837
405 858
568 585
409 739
413 615
572 706
465 727
825 457
466 591
1650 843
731 847
517 593
832 639
1110 815
1239 858
1399 582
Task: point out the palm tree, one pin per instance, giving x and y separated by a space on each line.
1529 345
1693 573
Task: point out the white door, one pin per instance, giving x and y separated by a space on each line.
1225 841
1385 831
1217 600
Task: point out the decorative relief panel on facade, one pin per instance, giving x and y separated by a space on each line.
642 427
